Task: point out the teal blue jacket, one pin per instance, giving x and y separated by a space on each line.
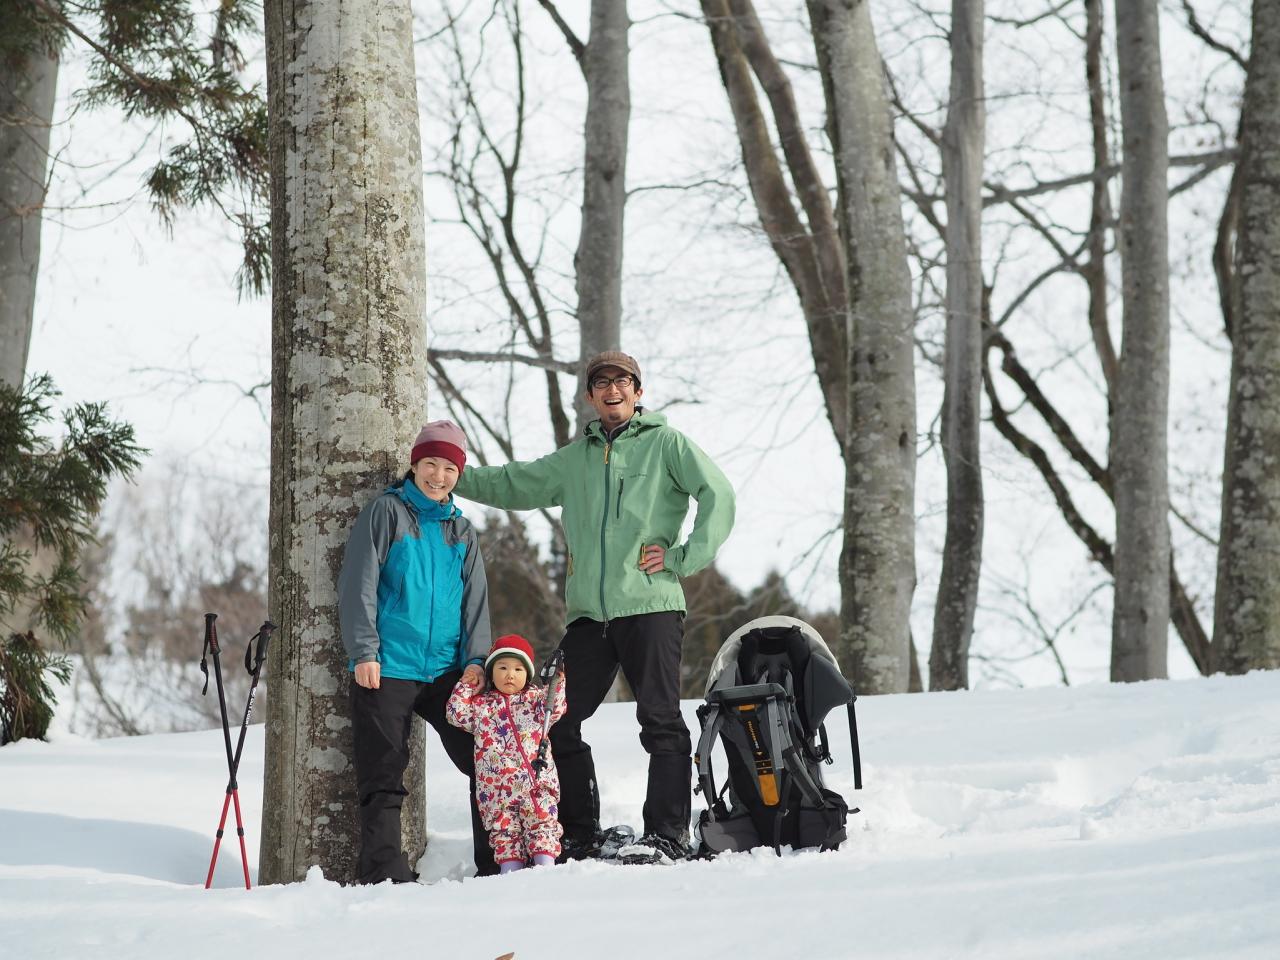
412 593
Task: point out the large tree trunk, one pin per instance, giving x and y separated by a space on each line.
1247 603
598 260
1140 622
26 115
962 155
348 386
877 561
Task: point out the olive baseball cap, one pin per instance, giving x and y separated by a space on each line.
613 358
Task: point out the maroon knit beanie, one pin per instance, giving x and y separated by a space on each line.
441 438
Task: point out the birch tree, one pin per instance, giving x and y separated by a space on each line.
1247 602
348 386
962 154
1139 452
877 560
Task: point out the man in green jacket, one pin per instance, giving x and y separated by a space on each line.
624 488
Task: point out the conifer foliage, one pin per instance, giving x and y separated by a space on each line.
50 493
26 697
181 63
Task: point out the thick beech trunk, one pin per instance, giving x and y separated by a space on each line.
877 561
1246 619
348 386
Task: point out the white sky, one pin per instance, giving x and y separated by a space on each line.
128 315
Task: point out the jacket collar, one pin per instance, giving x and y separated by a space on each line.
640 420
423 506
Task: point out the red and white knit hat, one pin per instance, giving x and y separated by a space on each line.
512 645
441 438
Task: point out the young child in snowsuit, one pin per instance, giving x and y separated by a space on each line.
506 718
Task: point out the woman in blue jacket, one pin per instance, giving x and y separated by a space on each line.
414 607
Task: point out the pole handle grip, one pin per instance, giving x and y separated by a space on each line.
552 666
253 657
211 633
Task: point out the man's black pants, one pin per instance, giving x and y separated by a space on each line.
647 648
381 721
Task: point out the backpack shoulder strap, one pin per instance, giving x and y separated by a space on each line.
853 744
709 715
797 771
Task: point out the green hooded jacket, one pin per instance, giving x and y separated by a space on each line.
618 497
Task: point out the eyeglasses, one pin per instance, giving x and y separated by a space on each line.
603 383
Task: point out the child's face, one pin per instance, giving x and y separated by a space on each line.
509 675
435 477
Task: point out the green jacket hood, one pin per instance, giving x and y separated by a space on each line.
640 420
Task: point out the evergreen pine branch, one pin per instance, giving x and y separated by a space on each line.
150 60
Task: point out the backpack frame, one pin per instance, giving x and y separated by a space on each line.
770 687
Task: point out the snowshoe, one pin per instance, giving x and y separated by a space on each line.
603 845
654 848
614 840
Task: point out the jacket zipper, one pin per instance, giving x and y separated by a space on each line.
617 513
515 735
604 523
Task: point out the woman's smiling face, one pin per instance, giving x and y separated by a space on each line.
435 477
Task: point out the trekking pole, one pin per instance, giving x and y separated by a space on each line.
254 656
550 678
211 646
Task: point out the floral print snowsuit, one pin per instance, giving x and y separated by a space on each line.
519 809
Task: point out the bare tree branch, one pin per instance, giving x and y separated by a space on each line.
577 46
1001 194
480 356
1210 40
1094 271
1017 24
1019 374
454 396
475 206
810 254
1182 610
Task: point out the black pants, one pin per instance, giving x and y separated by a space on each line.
381 721
647 648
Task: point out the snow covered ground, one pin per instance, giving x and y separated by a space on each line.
1103 821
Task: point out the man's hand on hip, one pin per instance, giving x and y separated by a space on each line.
653 558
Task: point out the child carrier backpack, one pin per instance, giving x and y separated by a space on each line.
770 687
